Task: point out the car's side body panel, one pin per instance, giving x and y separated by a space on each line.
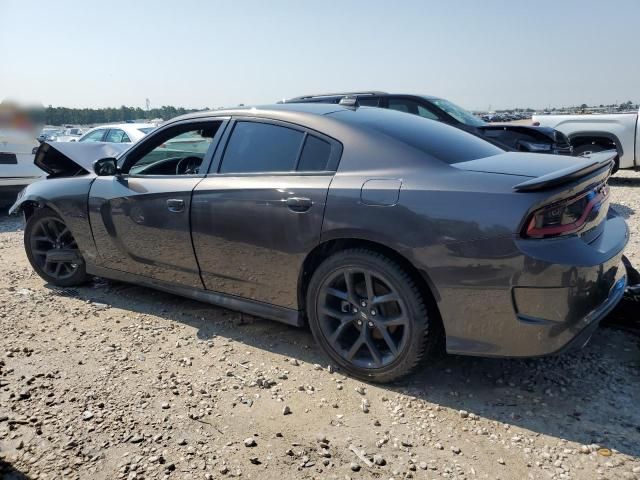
141 226
249 239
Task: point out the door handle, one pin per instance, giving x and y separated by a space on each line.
299 204
175 205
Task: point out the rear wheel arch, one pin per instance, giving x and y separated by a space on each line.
324 250
604 139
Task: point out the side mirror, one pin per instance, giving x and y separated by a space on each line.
105 167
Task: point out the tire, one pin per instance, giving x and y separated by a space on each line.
46 232
594 148
343 316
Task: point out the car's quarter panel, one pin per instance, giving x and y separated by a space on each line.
141 226
248 237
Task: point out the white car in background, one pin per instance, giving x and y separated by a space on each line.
591 133
121 133
17 170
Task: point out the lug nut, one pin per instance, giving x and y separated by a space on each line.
359 322
371 324
355 310
363 304
373 313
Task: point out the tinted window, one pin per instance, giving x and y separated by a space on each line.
401 105
315 155
115 135
125 138
368 102
423 112
95 136
261 147
441 141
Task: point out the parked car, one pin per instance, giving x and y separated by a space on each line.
510 137
387 233
122 133
70 135
16 163
49 135
598 132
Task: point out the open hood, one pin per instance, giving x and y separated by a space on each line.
68 159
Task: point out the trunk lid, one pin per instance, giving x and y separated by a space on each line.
545 171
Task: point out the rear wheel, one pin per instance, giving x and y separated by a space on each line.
52 250
369 316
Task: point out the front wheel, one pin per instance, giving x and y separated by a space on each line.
369 316
52 250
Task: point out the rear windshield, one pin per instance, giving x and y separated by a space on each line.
146 130
446 143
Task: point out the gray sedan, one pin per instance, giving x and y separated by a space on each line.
389 235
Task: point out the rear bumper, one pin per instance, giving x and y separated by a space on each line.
538 298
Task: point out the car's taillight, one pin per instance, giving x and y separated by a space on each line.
568 216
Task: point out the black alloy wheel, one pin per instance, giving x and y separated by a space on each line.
362 317
52 250
368 315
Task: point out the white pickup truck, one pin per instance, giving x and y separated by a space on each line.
597 132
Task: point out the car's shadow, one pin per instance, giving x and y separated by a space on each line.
620 181
8 472
571 396
622 210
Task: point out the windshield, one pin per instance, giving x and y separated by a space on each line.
457 112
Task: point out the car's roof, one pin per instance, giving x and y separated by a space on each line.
126 125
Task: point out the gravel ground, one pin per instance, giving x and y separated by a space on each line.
117 381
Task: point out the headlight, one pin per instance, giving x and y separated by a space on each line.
537 147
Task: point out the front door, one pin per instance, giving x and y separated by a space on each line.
259 212
140 217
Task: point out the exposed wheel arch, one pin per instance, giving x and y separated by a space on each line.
604 139
326 249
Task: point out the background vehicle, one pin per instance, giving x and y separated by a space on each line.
16 163
121 133
70 135
49 135
510 137
598 132
387 232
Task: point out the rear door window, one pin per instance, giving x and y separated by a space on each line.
261 147
95 136
115 135
368 102
316 155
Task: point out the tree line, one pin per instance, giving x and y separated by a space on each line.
89 116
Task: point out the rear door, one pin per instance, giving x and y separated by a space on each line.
140 217
259 211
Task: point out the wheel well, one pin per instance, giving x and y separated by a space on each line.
28 208
326 249
597 140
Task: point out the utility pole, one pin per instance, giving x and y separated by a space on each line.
148 104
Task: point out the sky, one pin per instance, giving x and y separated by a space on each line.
482 55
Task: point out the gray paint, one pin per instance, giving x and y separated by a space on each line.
237 241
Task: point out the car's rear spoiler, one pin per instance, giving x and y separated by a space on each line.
592 163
